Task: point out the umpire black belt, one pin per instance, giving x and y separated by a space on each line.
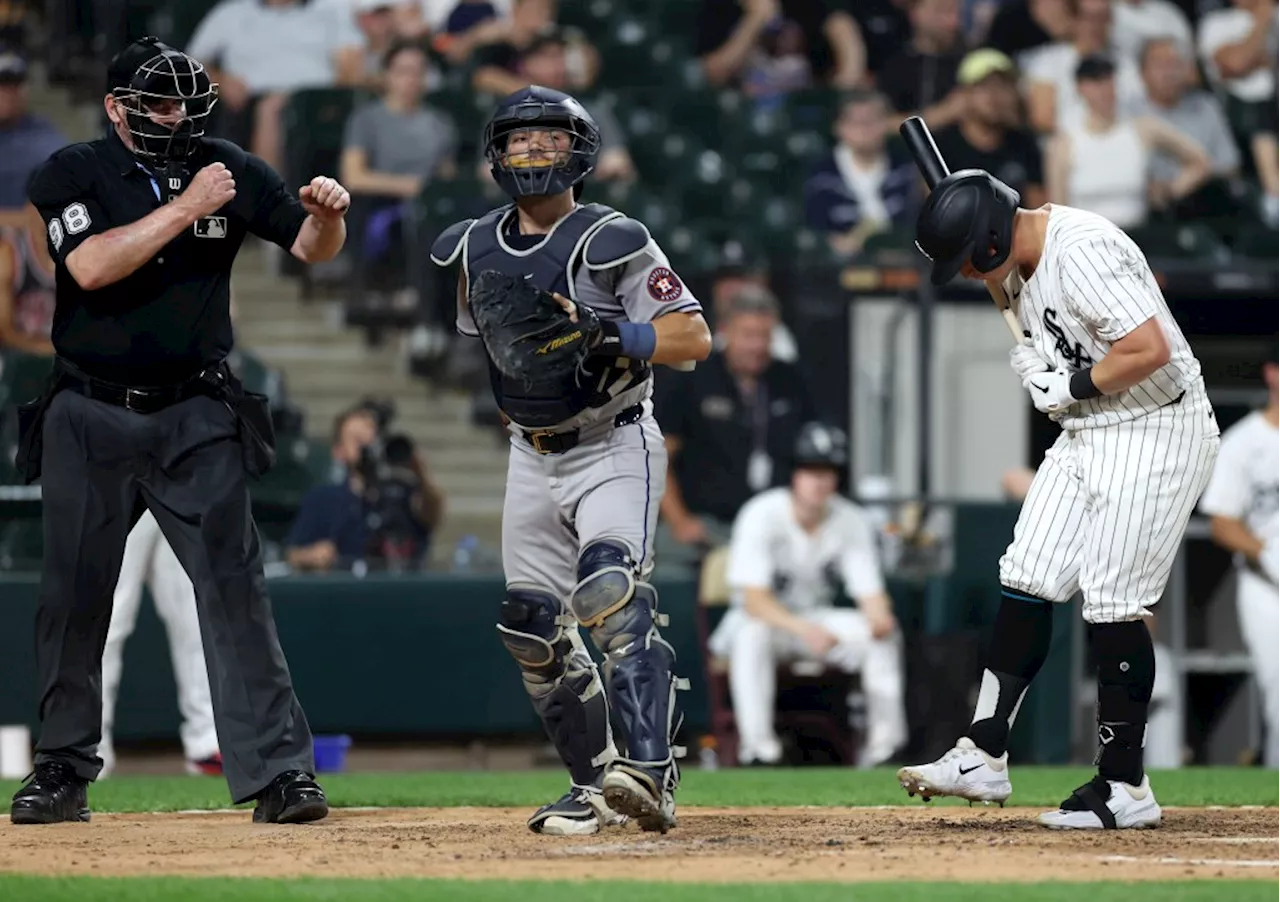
559 442
149 399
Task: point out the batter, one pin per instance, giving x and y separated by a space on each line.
1108 507
587 465
1243 502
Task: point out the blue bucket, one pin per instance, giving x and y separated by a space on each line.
331 753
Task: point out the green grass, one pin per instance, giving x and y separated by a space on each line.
166 889
1033 786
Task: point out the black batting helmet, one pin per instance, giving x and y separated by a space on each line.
968 217
536 108
821 445
149 75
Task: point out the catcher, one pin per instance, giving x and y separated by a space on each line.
575 303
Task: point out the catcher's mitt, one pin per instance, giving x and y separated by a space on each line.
528 335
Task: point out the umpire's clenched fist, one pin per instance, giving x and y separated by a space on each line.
324 198
211 190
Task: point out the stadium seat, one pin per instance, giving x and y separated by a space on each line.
176 22
714 598
1180 240
1255 241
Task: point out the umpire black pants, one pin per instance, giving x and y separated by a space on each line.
101 465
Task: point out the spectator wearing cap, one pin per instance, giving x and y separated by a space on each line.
506 41
865 185
261 51
990 134
769 47
1195 114
1053 103
26 140
1102 164
921 79
381 23
729 425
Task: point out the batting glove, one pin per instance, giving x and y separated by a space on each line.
1026 362
1269 561
1050 391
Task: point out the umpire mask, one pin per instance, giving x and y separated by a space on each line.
166 97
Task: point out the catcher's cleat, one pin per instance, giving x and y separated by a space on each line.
1103 804
644 793
966 772
581 811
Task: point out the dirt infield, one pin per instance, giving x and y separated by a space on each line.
714 845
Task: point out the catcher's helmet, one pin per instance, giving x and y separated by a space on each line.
968 217
536 108
147 76
821 445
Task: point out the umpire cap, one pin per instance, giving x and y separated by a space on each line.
821 445
967 218
148 74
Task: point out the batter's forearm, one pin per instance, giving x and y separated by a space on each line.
1234 536
1130 360
120 252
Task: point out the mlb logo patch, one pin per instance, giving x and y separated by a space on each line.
664 285
211 227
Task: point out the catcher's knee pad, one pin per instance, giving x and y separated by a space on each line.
622 614
562 681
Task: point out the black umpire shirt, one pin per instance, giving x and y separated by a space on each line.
718 430
171 317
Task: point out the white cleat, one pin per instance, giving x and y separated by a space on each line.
1106 805
966 772
579 812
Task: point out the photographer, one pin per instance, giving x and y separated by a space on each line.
384 510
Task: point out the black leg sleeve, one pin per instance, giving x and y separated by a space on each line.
1126 675
1019 645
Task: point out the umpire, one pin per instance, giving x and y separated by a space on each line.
142 412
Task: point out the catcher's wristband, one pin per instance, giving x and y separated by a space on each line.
1082 387
624 339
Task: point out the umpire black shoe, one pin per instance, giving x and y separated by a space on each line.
291 798
52 794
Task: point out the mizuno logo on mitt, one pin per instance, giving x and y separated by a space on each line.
560 342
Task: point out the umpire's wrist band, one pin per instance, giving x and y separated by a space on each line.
624 339
1082 387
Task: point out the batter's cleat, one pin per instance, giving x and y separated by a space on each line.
579 812
52 794
1103 804
646 794
206 767
966 772
291 798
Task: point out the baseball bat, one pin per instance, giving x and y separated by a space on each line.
934 169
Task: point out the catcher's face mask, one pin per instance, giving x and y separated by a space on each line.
165 105
538 149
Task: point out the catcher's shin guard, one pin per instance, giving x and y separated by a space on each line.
621 613
561 679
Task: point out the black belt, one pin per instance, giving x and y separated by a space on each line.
139 400
560 442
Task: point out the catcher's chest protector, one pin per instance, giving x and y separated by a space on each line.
549 266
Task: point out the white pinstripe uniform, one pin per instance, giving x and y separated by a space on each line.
1108 507
1245 487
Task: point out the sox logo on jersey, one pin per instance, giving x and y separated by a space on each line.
1073 354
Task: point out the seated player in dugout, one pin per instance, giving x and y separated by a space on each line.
587 461
793 550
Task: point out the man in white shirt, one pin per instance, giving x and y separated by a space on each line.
1238 49
792 549
1243 502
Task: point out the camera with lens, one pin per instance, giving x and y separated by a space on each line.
393 497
